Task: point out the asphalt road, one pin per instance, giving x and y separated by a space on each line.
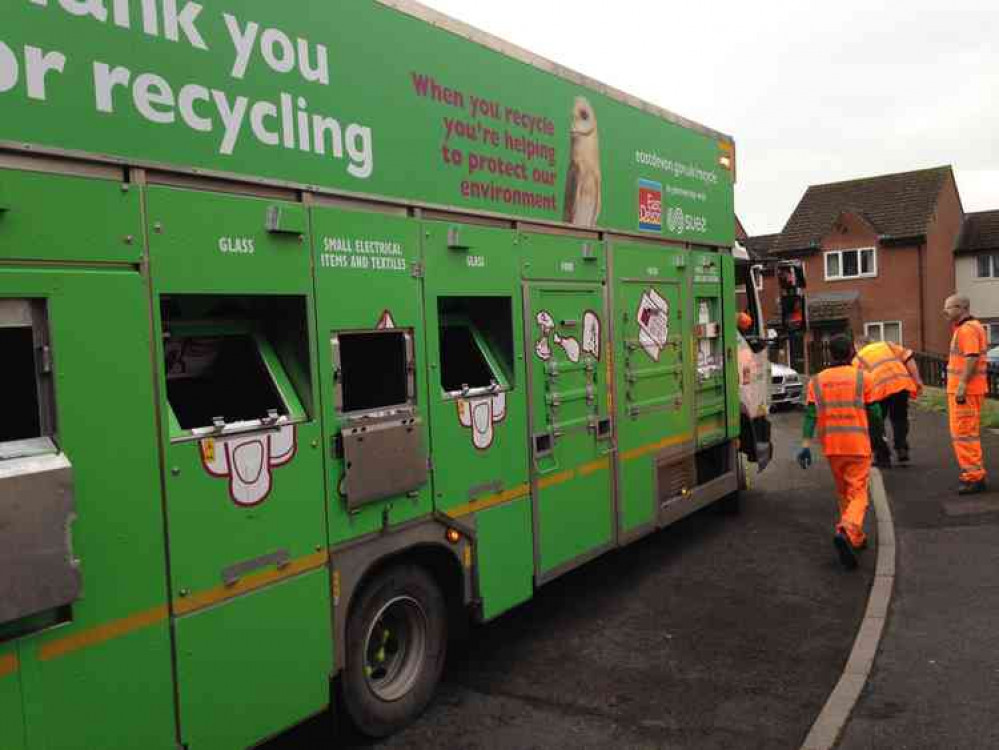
719 632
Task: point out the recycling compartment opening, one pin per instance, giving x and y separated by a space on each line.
19 386
374 370
223 376
476 342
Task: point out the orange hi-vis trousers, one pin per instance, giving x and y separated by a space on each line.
851 474
965 433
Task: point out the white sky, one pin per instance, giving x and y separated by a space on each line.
812 92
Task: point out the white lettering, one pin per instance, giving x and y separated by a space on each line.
232 117
288 121
243 43
38 65
278 51
105 81
321 72
93 8
188 96
359 147
237 245
150 18
150 90
320 127
259 111
174 23
9 69
121 14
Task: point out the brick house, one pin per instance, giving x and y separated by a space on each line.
976 263
879 257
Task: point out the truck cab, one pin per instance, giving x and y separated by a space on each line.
754 365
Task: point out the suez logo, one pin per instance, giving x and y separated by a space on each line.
650 212
679 222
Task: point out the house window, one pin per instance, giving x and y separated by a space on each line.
851 264
992 329
988 266
886 331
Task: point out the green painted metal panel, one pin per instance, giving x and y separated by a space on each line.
729 311
479 437
86 671
255 665
218 245
206 243
442 119
710 323
504 557
11 702
243 503
651 345
116 695
366 278
53 218
479 441
546 256
567 344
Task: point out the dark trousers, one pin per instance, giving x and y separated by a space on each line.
894 409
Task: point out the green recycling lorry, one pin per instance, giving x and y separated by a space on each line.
324 326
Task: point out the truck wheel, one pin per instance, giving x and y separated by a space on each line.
732 504
395 646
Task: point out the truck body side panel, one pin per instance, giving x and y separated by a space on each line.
108 661
245 503
653 408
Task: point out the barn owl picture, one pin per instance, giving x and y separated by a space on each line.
583 183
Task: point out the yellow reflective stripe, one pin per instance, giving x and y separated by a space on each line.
102 633
645 450
594 466
203 599
840 404
560 478
714 424
490 501
843 429
8 665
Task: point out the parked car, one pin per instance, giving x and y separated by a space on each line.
786 386
992 355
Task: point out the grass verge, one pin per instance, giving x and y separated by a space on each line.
935 399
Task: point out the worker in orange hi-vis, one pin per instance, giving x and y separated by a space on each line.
896 380
840 404
967 385
744 321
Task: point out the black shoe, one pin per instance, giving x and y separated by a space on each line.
847 557
902 454
972 488
882 463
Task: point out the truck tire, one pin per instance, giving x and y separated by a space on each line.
731 504
396 641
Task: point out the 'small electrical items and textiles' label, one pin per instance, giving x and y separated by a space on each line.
305 93
376 256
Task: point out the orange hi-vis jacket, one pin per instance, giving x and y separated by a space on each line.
969 339
841 395
886 364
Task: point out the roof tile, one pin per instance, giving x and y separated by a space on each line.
898 205
980 232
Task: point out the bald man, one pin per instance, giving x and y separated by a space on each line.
967 386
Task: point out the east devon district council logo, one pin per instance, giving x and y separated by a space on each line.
650 206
